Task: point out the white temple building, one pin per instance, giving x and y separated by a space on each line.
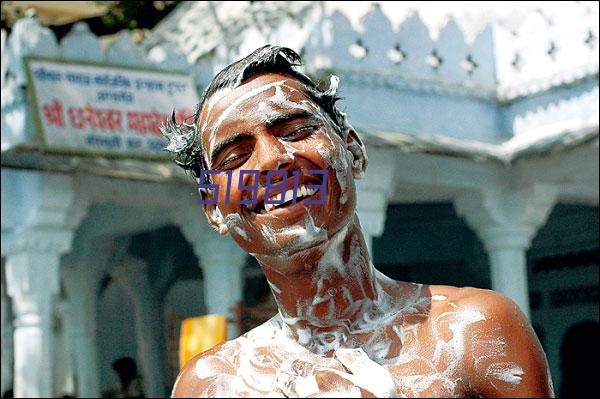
481 127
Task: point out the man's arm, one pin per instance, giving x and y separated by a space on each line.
503 356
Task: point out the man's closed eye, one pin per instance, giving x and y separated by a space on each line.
299 134
234 161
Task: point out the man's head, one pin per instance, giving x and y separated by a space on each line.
260 113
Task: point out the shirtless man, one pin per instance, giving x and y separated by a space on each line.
343 328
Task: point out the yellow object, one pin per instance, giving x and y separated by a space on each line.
199 334
57 12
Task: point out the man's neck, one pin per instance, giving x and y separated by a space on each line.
334 293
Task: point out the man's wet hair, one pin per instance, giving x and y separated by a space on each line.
184 139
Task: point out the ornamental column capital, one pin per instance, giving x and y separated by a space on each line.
506 217
40 212
210 247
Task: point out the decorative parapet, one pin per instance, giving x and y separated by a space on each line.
81 45
30 39
407 53
499 62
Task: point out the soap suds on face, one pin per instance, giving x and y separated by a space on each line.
340 161
233 107
233 221
269 233
309 233
291 151
337 158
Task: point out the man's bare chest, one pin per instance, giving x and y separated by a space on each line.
259 366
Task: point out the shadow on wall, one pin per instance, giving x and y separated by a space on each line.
579 354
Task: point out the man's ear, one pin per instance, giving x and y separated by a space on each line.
213 214
359 154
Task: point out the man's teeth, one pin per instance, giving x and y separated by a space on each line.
303 191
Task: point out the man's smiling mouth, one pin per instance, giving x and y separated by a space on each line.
307 188
302 193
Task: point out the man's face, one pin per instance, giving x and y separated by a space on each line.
270 123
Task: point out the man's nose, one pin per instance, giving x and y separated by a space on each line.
272 156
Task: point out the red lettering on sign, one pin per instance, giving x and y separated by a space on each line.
95 118
54 114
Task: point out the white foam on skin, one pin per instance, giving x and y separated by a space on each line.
336 158
213 100
372 313
507 372
307 234
266 112
234 107
269 233
489 345
339 161
233 222
367 373
291 151
457 323
304 235
274 288
265 361
550 383
447 355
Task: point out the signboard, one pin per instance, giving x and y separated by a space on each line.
91 109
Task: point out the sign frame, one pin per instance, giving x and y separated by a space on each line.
39 131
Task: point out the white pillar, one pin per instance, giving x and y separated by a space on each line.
221 260
508 264
82 294
131 274
506 220
86 360
64 378
33 284
6 345
222 277
39 213
371 210
372 194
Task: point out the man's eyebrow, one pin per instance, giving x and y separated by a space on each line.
234 138
283 118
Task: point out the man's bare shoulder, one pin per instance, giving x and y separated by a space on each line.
192 382
443 309
502 355
212 372
441 299
491 304
488 311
